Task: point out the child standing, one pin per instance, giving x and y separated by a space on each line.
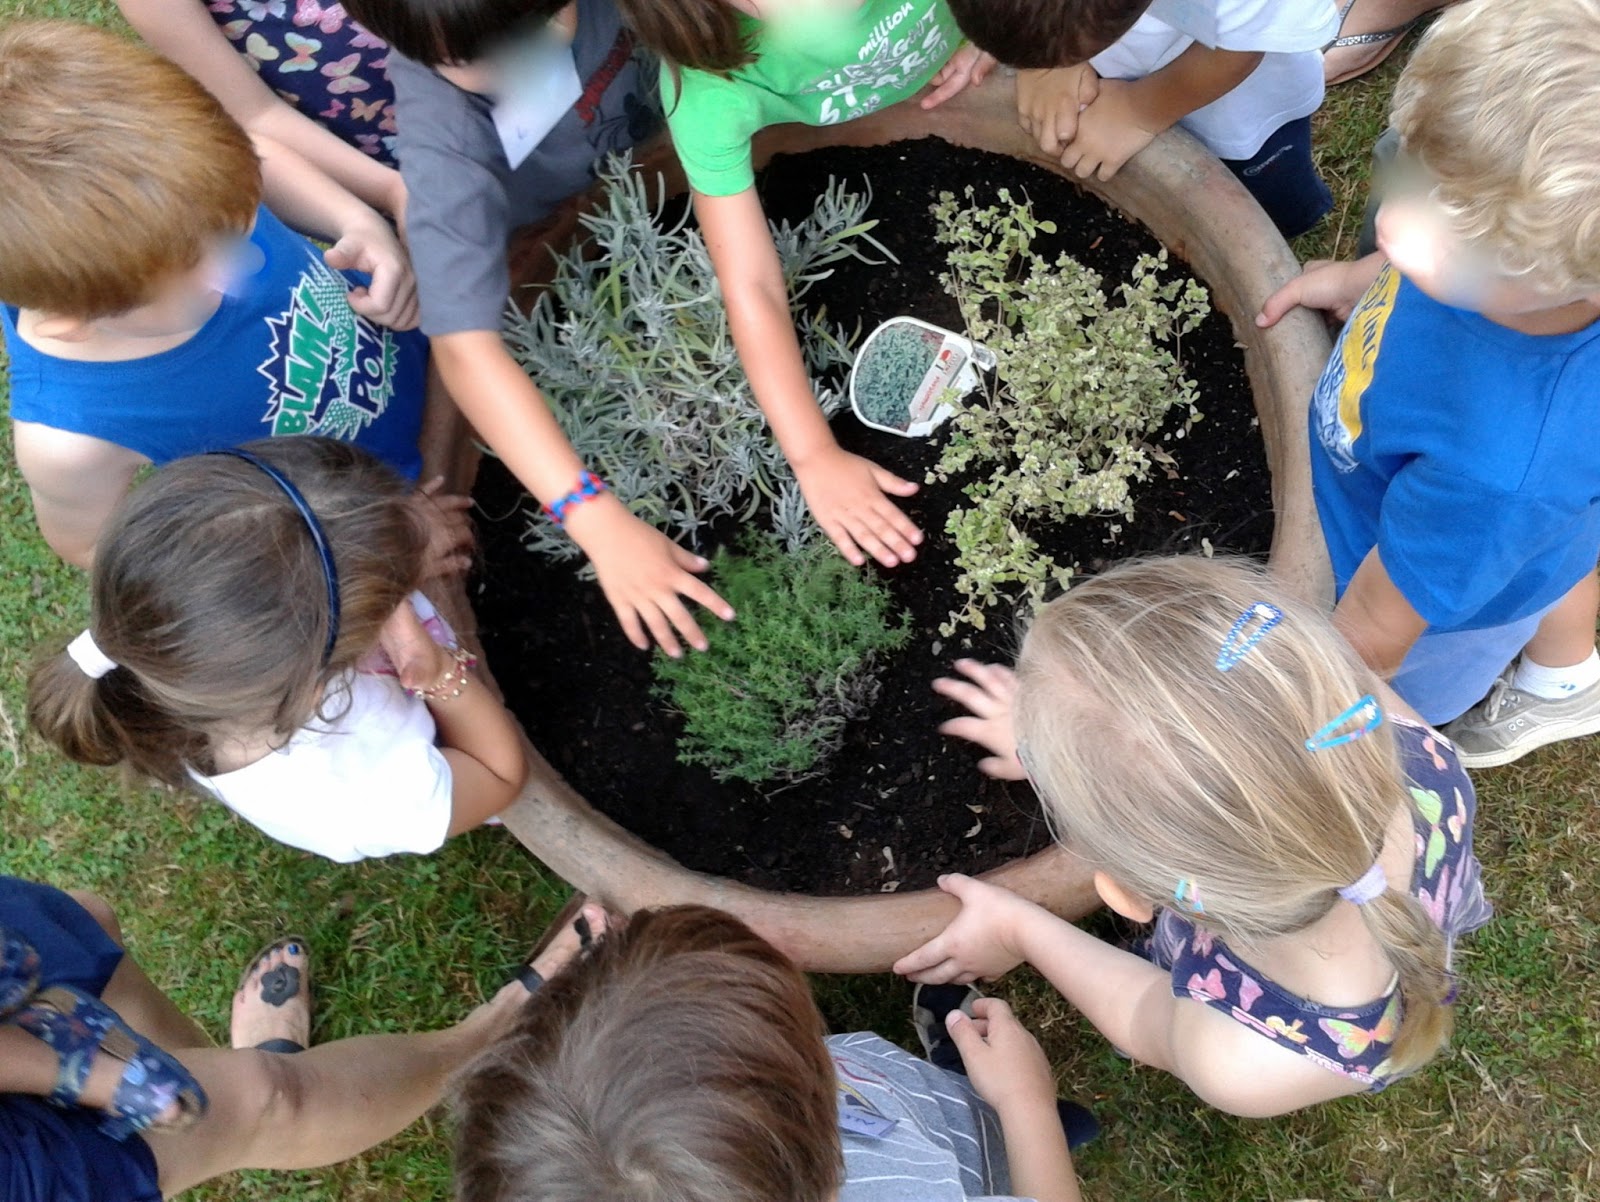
730 68
505 111
241 601
153 307
1453 431
1212 750
687 1060
1106 76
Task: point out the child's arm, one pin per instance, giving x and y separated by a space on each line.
1322 284
643 573
76 483
846 493
1009 1071
477 735
1128 999
1375 617
1127 114
181 30
303 197
1049 101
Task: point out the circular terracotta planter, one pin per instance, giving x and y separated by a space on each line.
1202 214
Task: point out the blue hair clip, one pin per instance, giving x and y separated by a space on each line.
1248 629
1364 717
1188 894
319 539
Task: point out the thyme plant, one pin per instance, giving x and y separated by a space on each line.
631 347
1083 380
769 701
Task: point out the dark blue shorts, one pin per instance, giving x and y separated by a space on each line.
50 1155
1284 180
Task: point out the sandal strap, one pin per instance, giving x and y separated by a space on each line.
19 973
76 1027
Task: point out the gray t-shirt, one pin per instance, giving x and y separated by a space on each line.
945 1145
464 199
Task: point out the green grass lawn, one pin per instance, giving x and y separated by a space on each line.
1508 1112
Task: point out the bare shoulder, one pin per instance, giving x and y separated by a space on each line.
1240 1071
52 459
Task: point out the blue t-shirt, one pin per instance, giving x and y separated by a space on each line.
1467 453
286 355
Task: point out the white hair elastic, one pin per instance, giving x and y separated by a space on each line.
86 653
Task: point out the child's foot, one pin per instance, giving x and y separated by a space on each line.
1510 722
272 1006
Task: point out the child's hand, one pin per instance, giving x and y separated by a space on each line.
643 574
968 65
390 299
1049 102
846 496
990 692
450 540
418 661
1322 284
983 940
1110 132
1007 1067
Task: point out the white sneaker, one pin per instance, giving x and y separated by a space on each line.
1509 723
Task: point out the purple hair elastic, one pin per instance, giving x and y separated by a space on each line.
1373 883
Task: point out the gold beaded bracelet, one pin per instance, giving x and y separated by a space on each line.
457 674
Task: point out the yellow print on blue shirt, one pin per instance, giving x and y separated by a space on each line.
1347 377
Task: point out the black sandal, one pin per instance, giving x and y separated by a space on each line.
280 986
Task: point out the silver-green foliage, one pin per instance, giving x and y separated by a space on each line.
891 371
1082 381
770 699
630 345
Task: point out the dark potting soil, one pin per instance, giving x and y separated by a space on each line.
900 803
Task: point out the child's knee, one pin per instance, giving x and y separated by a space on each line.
100 910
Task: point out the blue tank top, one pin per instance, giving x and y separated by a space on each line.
286 355
1351 1041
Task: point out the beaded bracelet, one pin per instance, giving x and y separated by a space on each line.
589 487
457 674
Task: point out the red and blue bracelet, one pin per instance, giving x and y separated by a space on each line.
589 487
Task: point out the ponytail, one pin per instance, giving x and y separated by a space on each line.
1417 949
109 720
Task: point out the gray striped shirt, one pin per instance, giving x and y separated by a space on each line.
946 1144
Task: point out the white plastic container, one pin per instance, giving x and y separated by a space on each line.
953 363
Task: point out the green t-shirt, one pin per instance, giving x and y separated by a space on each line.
830 67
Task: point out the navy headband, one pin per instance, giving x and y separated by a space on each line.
330 573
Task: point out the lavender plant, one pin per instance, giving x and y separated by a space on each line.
1083 380
631 347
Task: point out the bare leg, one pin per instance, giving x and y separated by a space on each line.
1566 634
134 996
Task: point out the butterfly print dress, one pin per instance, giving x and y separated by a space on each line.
1351 1041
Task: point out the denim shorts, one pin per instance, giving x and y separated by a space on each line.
1448 672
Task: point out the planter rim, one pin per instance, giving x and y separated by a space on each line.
1195 206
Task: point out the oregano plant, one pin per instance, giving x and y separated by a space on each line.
1084 379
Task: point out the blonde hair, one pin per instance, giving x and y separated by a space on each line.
1156 767
1498 104
117 170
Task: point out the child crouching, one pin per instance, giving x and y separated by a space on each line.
687 1061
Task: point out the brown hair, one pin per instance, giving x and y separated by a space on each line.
433 32
208 593
1036 34
704 35
1498 105
1157 768
684 1062
117 170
